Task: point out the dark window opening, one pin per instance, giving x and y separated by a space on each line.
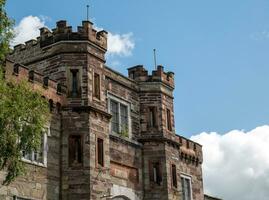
75 150
155 173
31 75
168 119
74 91
59 88
51 105
174 176
132 75
100 151
96 85
16 69
152 117
46 81
58 108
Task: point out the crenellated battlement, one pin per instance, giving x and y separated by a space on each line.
140 74
63 32
190 151
49 88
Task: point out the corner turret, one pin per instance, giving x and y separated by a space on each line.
140 74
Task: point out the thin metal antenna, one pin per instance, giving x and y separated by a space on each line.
155 63
88 12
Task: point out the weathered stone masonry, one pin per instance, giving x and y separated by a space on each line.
111 136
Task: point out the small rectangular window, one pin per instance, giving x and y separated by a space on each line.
152 117
37 157
168 119
155 173
75 150
74 83
96 85
46 81
16 69
120 122
186 188
100 151
174 176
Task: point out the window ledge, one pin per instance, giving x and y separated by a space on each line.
125 139
34 163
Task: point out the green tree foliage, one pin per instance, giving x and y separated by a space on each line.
6 33
23 116
23 112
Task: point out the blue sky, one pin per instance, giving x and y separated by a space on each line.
219 53
217 49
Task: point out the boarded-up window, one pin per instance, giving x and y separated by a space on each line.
174 176
168 119
155 172
96 82
100 151
75 150
152 117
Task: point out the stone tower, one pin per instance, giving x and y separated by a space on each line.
111 136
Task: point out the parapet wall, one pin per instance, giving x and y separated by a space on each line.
50 89
63 32
190 151
140 74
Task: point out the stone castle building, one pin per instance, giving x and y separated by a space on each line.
110 136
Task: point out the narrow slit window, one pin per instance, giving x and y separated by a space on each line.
168 119
74 84
46 81
75 150
100 151
155 173
174 176
96 85
31 75
152 117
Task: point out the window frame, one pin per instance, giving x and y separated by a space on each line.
159 174
20 198
169 119
124 102
97 153
174 182
152 117
71 164
44 152
188 177
96 95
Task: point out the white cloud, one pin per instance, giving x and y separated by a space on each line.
263 35
236 164
27 29
120 44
